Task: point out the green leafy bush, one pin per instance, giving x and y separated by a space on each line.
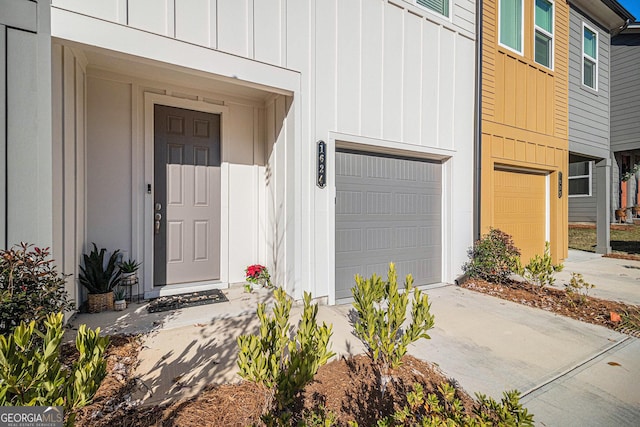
282 363
30 287
447 410
31 373
578 289
382 311
540 270
492 258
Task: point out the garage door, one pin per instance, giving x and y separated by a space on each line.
520 209
387 209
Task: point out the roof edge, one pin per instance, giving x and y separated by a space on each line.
608 13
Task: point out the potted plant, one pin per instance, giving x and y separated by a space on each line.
119 296
129 270
99 279
259 275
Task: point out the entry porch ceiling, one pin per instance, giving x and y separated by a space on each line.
148 69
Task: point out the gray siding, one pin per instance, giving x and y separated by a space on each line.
25 123
625 92
588 109
583 208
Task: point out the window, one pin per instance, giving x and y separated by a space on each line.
589 57
438 6
543 43
580 179
510 30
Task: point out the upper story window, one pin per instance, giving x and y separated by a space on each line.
438 6
580 179
589 57
511 16
543 38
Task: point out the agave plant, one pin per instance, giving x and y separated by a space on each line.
129 266
95 276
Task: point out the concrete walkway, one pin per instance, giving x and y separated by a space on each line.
615 279
571 373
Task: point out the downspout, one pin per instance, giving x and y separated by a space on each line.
477 200
624 26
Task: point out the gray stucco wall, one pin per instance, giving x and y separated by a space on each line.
25 123
625 92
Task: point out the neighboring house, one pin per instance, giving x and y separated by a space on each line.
185 133
625 118
525 122
590 72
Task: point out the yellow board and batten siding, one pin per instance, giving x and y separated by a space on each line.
525 135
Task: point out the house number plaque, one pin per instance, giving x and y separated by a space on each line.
322 164
559 185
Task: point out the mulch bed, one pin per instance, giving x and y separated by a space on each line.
622 256
621 227
593 310
348 388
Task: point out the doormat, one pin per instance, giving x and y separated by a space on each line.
174 302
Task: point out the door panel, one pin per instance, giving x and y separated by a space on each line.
520 209
387 209
187 193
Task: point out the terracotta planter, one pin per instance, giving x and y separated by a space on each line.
120 305
100 302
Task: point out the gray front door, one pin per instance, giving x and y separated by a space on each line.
186 196
387 209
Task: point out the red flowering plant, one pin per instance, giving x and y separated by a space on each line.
259 275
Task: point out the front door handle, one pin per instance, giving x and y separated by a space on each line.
157 217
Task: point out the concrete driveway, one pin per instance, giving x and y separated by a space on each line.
570 372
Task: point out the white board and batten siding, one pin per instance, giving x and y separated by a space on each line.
395 79
25 123
375 74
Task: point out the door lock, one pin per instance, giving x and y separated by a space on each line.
157 217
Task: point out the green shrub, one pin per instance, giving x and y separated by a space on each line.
382 312
97 277
508 412
540 270
30 287
279 362
31 373
492 258
577 289
447 410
